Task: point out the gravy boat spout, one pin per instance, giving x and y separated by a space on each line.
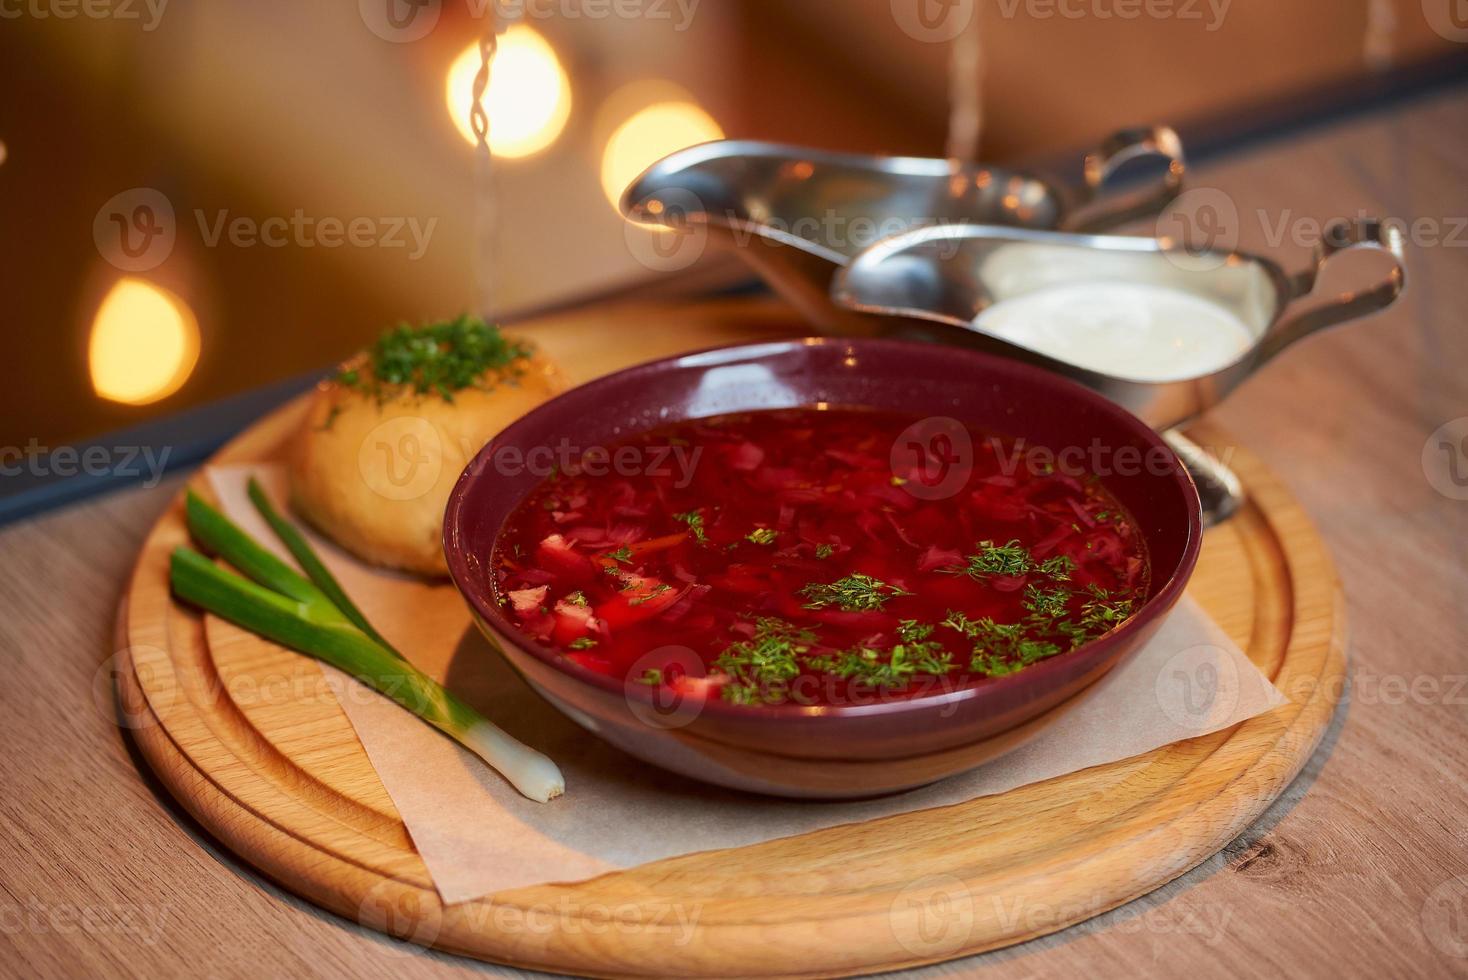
799 215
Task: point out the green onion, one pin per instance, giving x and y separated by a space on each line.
319 574
282 606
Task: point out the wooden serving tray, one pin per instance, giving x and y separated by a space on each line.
274 769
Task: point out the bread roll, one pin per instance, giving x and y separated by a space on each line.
374 461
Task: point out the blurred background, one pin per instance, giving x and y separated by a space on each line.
199 198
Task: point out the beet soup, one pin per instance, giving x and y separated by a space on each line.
801 560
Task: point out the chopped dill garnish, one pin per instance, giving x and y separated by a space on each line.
991 665
769 658
581 643
1046 603
824 551
999 648
911 631
762 535
622 554
997 559
694 520
1058 567
652 677
436 358
578 598
915 655
854 593
1103 612
959 622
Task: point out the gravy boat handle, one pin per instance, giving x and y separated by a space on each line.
1095 212
1339 236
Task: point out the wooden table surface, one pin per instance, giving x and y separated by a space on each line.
1360 870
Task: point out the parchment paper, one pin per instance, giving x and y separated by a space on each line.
478 836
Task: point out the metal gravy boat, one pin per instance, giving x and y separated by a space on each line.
798 215
934 282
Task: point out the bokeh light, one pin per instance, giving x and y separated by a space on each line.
144 343
529 97
647 136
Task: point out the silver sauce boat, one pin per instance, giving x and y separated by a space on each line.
799 215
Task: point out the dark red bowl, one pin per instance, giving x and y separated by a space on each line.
846 750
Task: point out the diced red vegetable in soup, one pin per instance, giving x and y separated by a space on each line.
783 550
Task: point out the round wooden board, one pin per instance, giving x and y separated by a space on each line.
280 777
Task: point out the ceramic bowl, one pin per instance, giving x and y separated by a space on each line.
848 750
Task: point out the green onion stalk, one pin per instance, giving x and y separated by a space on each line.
313 615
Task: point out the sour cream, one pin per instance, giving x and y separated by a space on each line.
1131 330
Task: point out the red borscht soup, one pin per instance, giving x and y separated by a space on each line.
818 556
